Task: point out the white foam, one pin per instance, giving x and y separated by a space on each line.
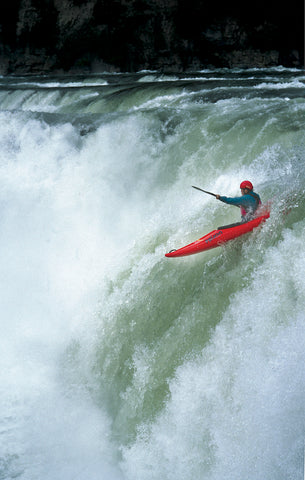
236 410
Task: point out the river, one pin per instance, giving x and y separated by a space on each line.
116 362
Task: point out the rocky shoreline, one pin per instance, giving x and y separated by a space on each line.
75 36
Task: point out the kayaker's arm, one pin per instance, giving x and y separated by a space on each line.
236 201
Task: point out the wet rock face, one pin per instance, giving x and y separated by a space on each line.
40 36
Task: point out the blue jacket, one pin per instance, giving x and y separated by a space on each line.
248 204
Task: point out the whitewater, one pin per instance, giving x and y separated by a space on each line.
116 362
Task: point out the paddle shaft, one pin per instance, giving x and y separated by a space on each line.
205 191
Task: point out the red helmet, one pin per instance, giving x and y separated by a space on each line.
246 184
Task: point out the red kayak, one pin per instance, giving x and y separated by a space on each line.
218 237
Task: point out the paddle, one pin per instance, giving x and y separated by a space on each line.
205 191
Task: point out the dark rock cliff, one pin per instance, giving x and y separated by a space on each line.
43 36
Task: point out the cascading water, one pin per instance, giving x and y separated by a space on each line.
116 362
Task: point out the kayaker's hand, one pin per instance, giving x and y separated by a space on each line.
218 197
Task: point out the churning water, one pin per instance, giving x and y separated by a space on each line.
116 362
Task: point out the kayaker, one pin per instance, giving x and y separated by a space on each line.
248 202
